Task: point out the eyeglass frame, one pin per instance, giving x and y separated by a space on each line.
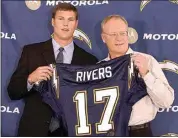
114 35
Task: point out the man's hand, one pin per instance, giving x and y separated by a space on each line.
40 74
141 62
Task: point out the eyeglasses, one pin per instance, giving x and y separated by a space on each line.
114 35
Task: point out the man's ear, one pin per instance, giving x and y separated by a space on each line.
52 22
103 37
76 24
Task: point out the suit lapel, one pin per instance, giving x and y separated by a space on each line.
76 55
48 52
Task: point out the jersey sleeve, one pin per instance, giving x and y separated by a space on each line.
48 94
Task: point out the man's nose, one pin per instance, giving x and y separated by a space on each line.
65 23
118 37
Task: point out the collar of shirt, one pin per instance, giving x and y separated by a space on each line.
129 51
68 51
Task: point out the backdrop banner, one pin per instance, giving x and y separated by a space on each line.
153 29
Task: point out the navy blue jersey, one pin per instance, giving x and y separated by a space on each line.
94 100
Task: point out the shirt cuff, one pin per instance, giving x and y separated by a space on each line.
149 80
29 86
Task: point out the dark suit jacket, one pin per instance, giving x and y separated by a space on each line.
37 115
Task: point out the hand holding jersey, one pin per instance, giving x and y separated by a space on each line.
40 74
141 62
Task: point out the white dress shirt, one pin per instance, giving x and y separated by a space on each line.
160 93
67 53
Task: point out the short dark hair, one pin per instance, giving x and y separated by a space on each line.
65 7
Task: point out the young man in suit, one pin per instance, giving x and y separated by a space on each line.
33 67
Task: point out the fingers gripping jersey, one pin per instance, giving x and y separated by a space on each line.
94 100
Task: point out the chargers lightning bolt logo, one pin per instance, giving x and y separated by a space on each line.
55 79
170 135
79 34
169 65
145 2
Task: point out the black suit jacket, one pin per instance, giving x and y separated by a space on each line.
37 115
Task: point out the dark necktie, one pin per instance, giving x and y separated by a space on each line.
60 56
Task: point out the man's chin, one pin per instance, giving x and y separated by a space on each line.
66 38
119 53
